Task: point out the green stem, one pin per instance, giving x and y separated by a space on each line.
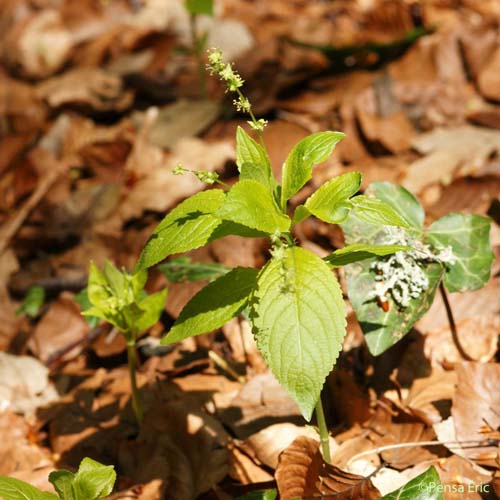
136 400
323 432
254 120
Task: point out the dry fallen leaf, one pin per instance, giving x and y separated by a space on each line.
302 473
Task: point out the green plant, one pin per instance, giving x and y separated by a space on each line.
119 298
91 482
390 294
32 302
196 8
294 302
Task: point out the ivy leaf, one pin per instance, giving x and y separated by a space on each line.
426 486
382 329
93 480
214 305
401 200
15 489
359 251
253 161
188 226
251 204
197 7
377 212
469 238
298 317
328 202
297 169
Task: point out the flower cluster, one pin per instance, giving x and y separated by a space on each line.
202 175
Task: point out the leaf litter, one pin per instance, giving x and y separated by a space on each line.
99 103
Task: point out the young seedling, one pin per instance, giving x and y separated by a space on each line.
196 8
91 482
119 298
32 303
389 294
294 302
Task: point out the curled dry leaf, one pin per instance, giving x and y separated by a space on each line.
302 473
489 78
476 409
478 338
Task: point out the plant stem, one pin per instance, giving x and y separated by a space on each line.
198 51
136 401
323 432
453 326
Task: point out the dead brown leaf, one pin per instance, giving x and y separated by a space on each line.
302 473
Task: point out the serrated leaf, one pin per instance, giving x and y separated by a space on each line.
63 483
297 169
251 204
469 238
298 316
214 305
200 7
426 486
376 212
151 308
184 269
188 226
328 202
253 161
15 489
401 200
359 251
93 480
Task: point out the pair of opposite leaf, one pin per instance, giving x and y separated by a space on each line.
92 481
294 302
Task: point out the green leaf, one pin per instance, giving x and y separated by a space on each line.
377 212
382 329
328 202
183 269
97 287
82 298
252 160
297 169
15 489
63 483
93 480
115 279
32 302
359 251
401 200
298 316
251 204
426 486
260 495
214 305
469 238
152 307
200 7
188 226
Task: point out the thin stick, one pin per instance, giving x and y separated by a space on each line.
136 400
10 229
453 326
224 365
323 432
380 449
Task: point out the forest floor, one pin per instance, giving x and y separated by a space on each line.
99 101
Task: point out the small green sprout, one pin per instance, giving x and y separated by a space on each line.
32 303
120 299
92 481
